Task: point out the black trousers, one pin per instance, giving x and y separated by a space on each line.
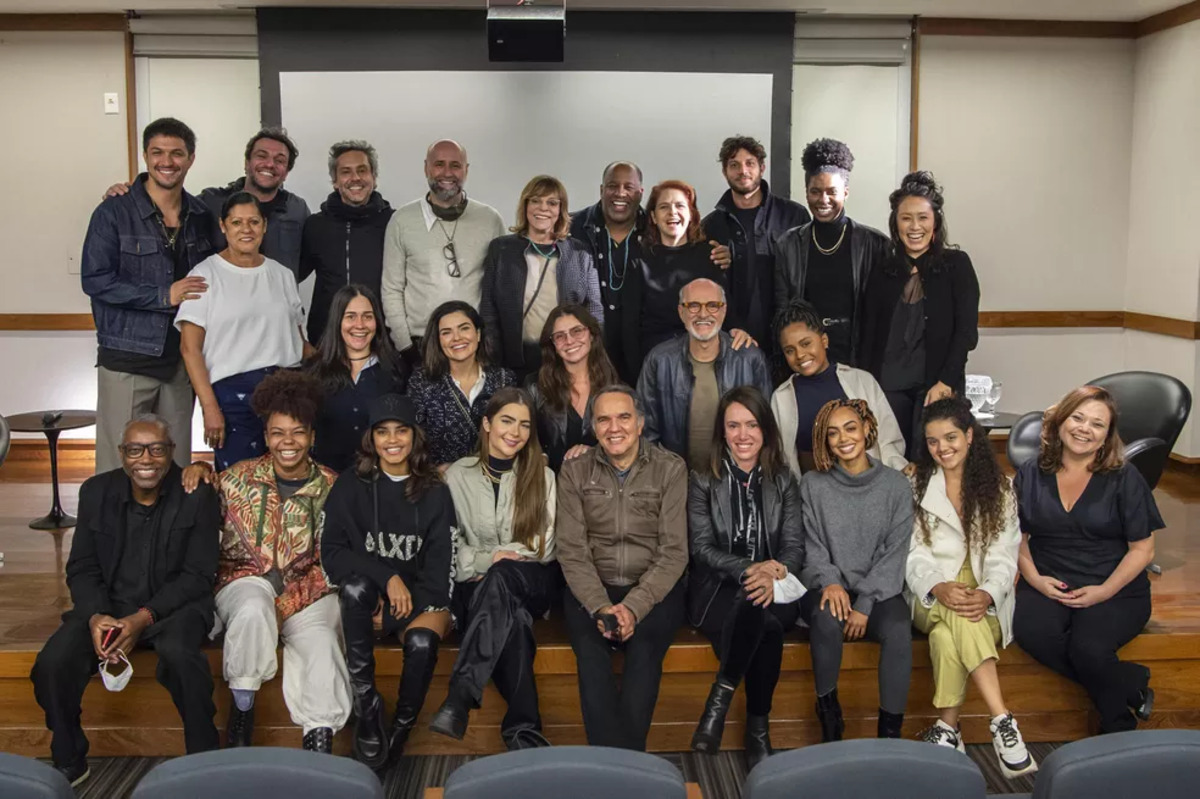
619 714
908 406
889 624
68 661
497 640
1081 645
749 642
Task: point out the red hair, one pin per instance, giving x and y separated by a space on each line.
695 232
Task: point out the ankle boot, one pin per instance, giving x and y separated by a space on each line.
420 656
757 740
452 717
829 711
370 734
707 737
890 724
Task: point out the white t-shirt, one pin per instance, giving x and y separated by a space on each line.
251 317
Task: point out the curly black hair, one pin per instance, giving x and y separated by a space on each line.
985 489
920 184
800 312
827 155
290 392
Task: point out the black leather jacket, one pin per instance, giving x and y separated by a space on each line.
710 529
552 425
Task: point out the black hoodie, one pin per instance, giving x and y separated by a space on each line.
342 244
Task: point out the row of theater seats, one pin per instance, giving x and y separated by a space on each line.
1154 764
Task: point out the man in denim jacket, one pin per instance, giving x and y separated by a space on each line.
137 253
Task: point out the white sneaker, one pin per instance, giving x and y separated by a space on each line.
942 734
1015 759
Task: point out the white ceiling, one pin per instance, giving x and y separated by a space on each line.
1005 9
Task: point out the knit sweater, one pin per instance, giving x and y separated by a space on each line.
451 424
856 532
416 271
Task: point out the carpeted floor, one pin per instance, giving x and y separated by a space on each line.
720 777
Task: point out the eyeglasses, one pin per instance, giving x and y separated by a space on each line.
694 307
577 333
157 449
451 260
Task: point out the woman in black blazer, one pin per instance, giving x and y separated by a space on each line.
532 271
746 539
921 309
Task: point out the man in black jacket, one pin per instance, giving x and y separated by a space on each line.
343 243
141 572
748 219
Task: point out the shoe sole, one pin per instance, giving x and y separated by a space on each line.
1143 712
75 783
1012 773
446 730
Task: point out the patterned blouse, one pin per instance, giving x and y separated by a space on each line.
261 532
451 425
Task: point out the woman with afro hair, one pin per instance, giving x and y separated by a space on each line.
271 586
962 565
829 260
921 309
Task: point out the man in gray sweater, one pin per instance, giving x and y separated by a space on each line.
434 247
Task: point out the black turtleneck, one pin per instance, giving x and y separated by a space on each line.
829 284
496 469
811 395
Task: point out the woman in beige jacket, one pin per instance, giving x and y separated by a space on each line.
506 576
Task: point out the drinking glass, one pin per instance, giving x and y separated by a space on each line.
977 395
993 396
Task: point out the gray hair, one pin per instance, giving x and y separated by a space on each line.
149 418
351 146
620 388
701 280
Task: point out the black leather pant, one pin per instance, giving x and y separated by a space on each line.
497 641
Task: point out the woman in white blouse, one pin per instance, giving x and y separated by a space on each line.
962 565
247 325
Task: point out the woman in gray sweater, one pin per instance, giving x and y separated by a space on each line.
858 517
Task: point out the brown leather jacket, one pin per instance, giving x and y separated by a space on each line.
634 533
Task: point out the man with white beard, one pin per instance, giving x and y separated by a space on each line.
683 379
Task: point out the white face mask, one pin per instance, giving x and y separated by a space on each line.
116 682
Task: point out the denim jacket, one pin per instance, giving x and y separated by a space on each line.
128 271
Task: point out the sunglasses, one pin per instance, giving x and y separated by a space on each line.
451 260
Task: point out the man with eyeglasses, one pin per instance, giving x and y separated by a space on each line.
434 248
141 573
683 379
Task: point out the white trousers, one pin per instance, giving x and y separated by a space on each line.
316 685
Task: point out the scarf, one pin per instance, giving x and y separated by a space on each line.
745 496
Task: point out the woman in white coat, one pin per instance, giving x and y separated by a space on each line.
962 565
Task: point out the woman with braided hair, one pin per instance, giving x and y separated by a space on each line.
962 564
857 516
829 260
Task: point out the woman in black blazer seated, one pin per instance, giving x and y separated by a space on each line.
746 538
1087 523
530 272
921 310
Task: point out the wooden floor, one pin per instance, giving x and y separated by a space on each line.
142 721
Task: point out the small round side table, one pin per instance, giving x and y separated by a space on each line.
51 423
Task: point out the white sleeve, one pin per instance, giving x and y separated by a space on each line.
196 311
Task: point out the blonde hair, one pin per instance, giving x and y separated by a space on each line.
544 186
823 457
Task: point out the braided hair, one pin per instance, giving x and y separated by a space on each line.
823 457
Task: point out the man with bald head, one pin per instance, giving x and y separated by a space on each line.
434 247
684 378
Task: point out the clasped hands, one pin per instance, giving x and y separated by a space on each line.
970 603
758 581
131 628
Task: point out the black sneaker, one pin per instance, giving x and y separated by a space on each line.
319 740
240 729
75 772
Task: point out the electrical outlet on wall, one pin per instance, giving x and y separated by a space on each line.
112 105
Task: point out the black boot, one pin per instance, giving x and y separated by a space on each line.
319 740
829 711
758 740
370 735
420 656
890 724
523 737
451 718
709 730
240 728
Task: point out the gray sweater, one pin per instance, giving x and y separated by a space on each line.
856 532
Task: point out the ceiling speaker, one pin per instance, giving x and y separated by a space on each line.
526 33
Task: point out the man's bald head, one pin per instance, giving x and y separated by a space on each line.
446 171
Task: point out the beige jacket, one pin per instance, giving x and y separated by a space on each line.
889 444
633 534
485 520
940 560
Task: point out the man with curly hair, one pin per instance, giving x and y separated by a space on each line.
828 260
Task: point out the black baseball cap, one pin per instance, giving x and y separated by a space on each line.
392 408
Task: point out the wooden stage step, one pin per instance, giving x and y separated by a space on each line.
142 721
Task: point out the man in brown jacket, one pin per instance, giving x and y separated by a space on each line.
622 545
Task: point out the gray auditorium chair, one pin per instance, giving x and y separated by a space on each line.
1025 439
1160 764
26 778
567 772
257 772
867 768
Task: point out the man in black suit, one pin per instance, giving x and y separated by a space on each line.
141 573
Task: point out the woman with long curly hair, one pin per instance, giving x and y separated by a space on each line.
389 545
962 562
921 309
858 517
1088 521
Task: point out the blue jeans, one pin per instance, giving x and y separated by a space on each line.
244 433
